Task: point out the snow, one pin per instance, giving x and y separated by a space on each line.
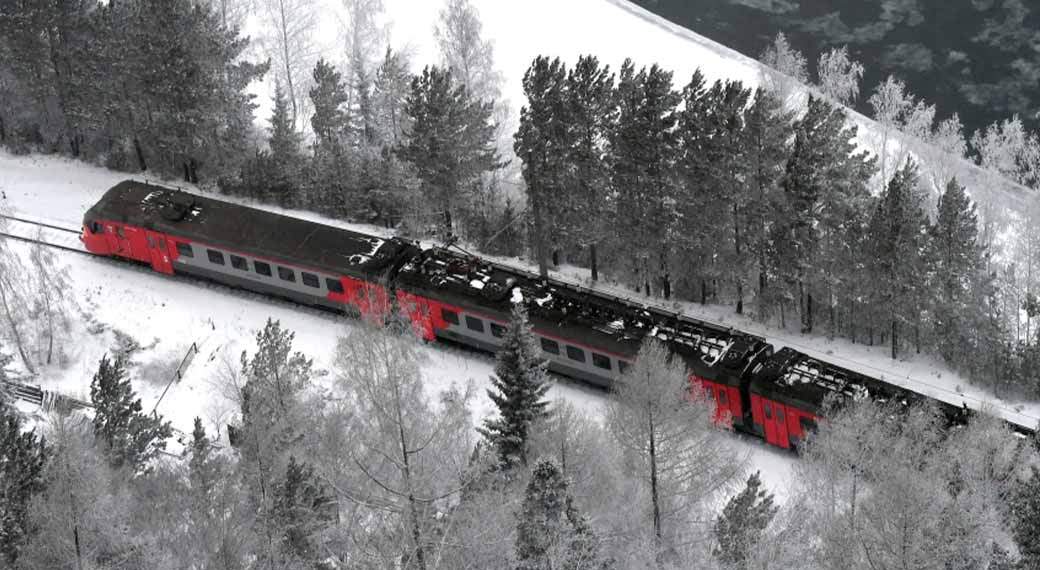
165 315
476 284
518 296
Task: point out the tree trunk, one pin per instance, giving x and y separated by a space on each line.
666 286
140 154
740 298
556 258
3 130
654 499
539 235
593 262
895 337
19 343
447 224
704 291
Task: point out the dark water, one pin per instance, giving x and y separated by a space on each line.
978 58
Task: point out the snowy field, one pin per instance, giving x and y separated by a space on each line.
165 315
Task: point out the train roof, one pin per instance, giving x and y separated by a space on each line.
793 377
243 228
497 286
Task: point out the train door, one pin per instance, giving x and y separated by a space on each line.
138 244
158 253
775 424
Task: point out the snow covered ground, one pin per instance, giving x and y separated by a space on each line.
166 315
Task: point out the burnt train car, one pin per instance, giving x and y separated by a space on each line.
177 232
453 296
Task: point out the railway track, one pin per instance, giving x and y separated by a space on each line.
34 237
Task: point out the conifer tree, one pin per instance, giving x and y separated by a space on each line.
285 152
22 458
591 113
956 258
824 189
450 144
302 506
643 152
542 141
201 471
328 96
130 437
519 386
897 232
551 533
742 521
1026 520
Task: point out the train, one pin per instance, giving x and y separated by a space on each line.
448 295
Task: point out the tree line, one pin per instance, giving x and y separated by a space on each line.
373 471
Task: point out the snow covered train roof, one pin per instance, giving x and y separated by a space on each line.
499 286
243 228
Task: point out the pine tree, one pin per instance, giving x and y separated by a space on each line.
451 142
329 120
1026 520
542 141
131 438
22 458
767 130
897 232
519 386
643 151
742 521
956 258
302 505
285 152
201 471
551 533
824 189
591 114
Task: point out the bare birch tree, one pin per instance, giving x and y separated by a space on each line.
890 102
839 76
787 72
1007 149
288 38
673 447
14 304
463 50
52 305
412 454
945 149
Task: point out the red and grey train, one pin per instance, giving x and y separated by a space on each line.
584 334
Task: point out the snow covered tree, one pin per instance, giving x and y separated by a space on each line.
674 450
469 56
642 153
302 506
1009 150
551 533
14 304
450 144
955 258
541 141
890 102
389 95
412 455
23 454
328 97
1025 520
786 72
825 194
839 76
519 386
742 522
288 39
131 438
285 153
365 38
897 234
51 307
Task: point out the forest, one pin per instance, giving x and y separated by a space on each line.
768 199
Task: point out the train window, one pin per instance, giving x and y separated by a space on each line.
334 285
239 263
474 324
550 346
215 256
600 361
262 268
769 411
185 250
286 274
450 316
622 366
575 353
497 330
95 228
310 279
151 242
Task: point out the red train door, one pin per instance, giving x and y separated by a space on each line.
775 424
157 251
